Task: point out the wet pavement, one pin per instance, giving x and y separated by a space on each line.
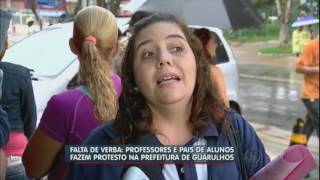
269 96
265 67
269 86
271 103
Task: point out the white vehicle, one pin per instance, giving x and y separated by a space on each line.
54 67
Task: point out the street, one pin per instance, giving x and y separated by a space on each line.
269 86
271 103
270 97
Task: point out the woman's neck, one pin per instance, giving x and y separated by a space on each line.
171 124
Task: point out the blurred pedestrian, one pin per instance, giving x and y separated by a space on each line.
296 45
302 35
305 37
124 38
70 116
116 65
168 99
4 134
210 43
308 65
137 16
29 22
4 124
19 103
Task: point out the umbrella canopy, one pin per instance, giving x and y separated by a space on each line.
216 13
304 21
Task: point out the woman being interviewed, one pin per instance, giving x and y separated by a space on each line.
70 116
169 99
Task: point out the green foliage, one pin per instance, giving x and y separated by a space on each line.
276 50
258 4
268 31
270 28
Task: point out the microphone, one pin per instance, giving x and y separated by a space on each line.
144 172
134 173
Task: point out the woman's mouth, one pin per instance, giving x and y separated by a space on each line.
168 77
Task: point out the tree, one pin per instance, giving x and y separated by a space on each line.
264 7
284 8
33 6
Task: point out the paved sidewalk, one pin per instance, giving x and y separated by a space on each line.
279 68
270 67
277 140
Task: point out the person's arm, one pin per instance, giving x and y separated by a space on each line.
218 80
48 139
28 107
40 154
307 69
3 164
4 127
306 57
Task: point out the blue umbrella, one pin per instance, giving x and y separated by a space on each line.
304 21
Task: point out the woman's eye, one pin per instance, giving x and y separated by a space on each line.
176 49
147 54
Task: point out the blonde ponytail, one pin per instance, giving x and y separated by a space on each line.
96 72
95 57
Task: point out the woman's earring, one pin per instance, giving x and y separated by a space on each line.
136 89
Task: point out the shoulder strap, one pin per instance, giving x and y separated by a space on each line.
235 141
153 171
85 90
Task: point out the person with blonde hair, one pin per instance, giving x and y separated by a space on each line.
70 116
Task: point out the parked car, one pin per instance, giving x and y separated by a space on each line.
54 67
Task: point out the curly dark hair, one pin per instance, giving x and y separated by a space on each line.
134 117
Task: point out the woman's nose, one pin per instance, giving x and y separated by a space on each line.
164 59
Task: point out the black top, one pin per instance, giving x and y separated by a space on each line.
18 99
4 124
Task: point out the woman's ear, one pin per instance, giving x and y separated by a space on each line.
73 47
115 50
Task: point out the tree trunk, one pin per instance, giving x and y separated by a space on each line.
33 6
284 9
284 34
